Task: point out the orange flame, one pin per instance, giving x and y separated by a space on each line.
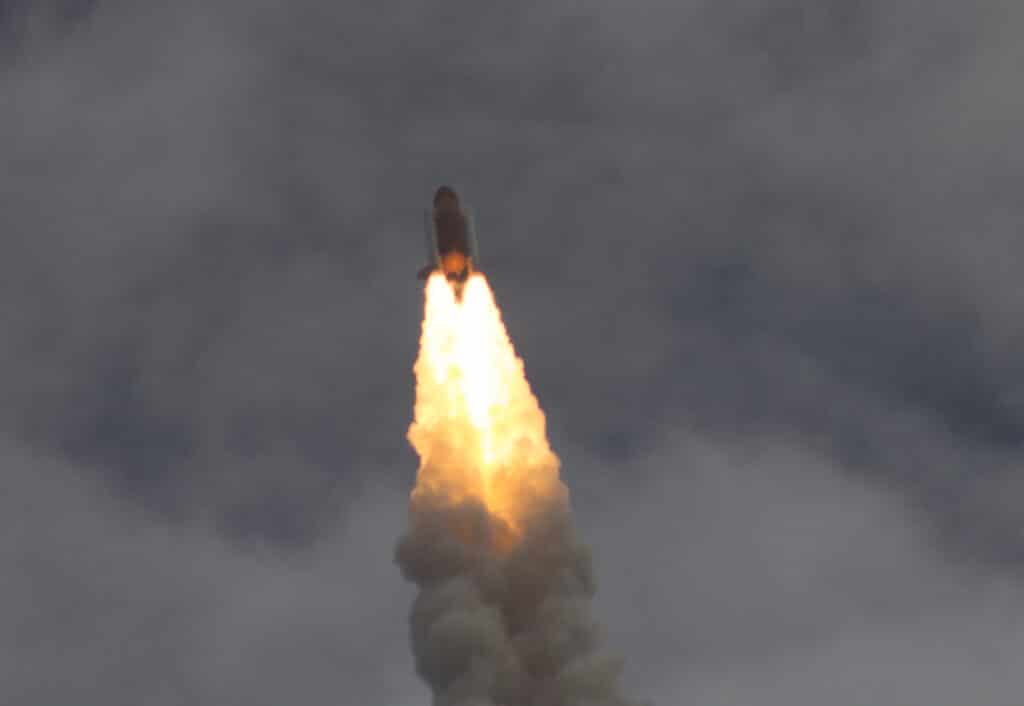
478 429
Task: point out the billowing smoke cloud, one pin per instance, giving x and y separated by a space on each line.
503 615
504 628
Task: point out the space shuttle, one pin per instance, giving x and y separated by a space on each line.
451 239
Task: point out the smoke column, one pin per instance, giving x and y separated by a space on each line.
503 614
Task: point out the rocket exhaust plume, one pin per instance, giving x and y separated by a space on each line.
503 615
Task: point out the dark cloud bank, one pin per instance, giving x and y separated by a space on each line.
761 260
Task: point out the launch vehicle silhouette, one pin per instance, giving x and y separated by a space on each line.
451 239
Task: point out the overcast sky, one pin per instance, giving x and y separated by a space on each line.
761 259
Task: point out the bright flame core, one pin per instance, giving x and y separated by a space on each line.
478 429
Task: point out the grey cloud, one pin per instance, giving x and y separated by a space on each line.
108 604
776 578
794 221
